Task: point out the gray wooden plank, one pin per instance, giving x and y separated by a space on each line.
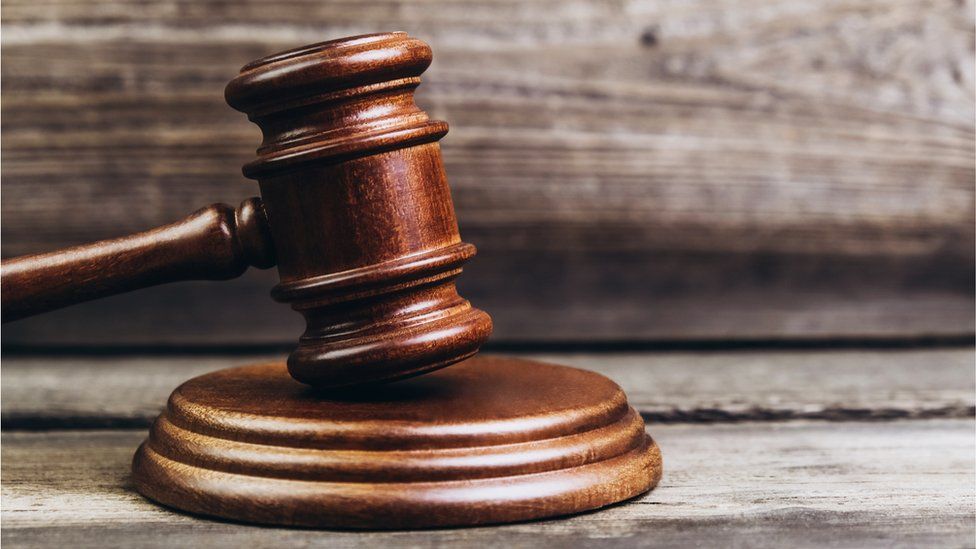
896 484
575 297
631 171
571 129
51 392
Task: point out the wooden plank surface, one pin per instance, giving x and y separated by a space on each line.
631 171
580 298
906 483
757 483
46 392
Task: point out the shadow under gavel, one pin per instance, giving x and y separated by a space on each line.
355 212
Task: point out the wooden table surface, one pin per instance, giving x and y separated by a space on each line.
866 448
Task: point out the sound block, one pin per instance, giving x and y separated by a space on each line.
487 440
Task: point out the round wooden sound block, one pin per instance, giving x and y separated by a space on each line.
487 440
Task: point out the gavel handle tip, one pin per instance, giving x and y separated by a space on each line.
213 243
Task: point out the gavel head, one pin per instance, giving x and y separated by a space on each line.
360 213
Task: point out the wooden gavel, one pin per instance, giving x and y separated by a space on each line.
357 215
355 211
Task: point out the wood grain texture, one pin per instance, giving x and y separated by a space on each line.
772 126
688 140
899 484
129 391
574 298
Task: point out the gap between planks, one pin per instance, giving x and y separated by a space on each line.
120 392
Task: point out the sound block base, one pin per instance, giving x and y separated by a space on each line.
488 440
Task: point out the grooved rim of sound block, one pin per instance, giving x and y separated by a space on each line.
487 440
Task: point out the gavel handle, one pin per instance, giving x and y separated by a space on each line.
214 243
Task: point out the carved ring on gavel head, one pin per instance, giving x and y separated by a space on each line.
356 212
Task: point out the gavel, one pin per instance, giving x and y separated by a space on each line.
355 211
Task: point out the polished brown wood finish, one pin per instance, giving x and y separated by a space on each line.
488 440
214 243
361 215
358 210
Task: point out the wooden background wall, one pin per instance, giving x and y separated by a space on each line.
630 170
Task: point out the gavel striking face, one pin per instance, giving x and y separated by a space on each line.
355 211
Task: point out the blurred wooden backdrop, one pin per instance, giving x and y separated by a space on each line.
630 170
